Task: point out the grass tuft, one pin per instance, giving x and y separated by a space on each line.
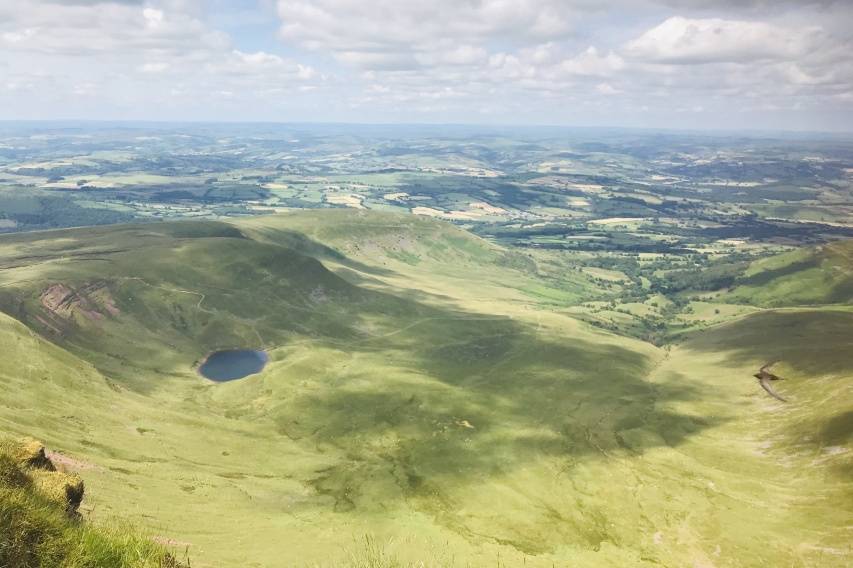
39 526
370 553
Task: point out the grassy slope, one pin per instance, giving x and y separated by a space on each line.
803 277
789 463
416 393
38 525
415 256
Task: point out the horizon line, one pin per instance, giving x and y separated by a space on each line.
496 125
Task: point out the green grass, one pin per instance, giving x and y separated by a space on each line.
803 277
36 529
437 406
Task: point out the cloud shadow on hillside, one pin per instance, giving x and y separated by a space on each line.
461 400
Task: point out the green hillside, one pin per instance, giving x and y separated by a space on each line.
420 407
822 275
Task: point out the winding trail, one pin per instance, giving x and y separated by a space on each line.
177 290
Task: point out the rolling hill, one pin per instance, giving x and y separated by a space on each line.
808 276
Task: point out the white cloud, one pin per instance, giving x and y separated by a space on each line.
459 55
132 56
259 65
590 63
378 60
511 67
398 34
714 40
153 18
154 67
606 89
13 37
82 29
446 60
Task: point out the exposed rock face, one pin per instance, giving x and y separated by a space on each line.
28 453
64 488
64 305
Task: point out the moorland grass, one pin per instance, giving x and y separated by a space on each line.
432 404
39 526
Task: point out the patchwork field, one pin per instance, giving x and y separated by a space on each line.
430 399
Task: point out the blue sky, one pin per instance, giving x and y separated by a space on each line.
752 64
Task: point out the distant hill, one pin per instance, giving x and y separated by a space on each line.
821 275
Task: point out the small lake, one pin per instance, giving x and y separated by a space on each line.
233 364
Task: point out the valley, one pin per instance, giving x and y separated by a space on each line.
448 284
432 398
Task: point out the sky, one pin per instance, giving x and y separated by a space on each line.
682 64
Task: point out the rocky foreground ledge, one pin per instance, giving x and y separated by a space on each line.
40 524
24 464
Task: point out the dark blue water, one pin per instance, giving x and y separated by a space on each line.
233 364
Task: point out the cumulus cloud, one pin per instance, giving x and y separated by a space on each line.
591 63
354 24
96 2
154 67
78 28
566 61
606 89
690 41
259 63
784 65
134 55
742 5
405 34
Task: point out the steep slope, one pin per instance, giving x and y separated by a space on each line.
790 461
160 297
39 525
428 403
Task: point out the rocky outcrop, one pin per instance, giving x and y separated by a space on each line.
64 307
25 464
92 301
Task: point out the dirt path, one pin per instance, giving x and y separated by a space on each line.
175 290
